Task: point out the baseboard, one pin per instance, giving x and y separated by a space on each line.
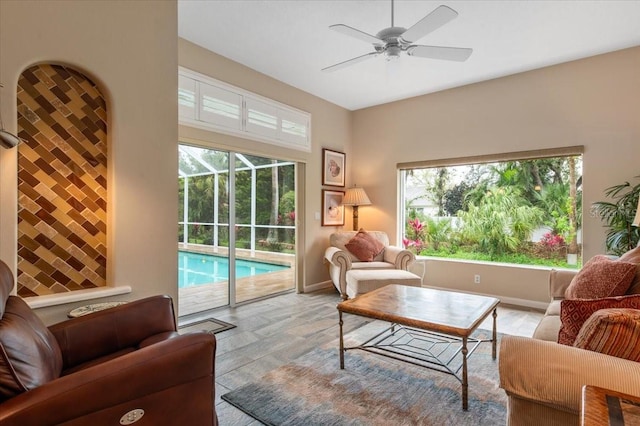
523 302
318 286
503 299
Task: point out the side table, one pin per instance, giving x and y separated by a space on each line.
606 407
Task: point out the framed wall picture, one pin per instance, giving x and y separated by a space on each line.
332 208
333 163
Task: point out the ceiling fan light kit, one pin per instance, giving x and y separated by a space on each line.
392 41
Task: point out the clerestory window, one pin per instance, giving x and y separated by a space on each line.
211 104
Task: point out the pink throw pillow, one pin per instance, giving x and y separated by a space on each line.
633 256
364 246
574 313
601 277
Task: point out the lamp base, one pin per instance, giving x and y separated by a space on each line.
355 218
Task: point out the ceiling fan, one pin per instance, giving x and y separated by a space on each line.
392 41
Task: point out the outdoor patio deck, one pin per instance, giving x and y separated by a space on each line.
208 296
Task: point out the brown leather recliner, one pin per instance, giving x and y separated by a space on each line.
100 368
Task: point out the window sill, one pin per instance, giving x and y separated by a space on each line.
75 296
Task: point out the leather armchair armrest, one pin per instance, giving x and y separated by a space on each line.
400 257
141 379
104 332
559 281
553 374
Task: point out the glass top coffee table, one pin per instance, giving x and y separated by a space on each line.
430 328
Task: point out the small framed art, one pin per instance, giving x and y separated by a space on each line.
333 164
332 208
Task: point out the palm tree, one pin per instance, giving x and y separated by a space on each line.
618 216
501 222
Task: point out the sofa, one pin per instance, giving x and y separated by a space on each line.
357 270
122 365
543 379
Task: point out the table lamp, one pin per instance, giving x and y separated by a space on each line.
355 197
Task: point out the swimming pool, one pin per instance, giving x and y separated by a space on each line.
197 269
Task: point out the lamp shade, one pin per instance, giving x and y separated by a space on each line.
636 221
355 197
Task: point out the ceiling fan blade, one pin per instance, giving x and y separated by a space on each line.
352 32
350 62
429 23
459 54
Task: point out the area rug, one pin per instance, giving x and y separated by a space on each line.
209 325
371 390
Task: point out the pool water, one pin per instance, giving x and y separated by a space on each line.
197 269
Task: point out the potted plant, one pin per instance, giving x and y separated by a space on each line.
618 216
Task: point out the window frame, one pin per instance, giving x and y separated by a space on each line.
284 114
403 168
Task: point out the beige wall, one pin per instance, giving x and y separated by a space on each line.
593 102
130 50
330 128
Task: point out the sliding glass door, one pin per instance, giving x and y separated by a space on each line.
265 220
236 229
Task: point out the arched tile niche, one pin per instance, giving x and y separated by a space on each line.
62 182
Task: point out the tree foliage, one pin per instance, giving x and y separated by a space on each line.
499 205
274 191
618 216
501 222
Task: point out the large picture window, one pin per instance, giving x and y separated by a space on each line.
523 211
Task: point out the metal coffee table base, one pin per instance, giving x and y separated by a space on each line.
436 351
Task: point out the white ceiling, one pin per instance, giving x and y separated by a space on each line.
291 42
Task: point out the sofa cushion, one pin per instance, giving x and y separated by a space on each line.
633 256
614 332
29 353
554 308
372 265
364 246
574 313
547 328
601 277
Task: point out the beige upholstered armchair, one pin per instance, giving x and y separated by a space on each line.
342 262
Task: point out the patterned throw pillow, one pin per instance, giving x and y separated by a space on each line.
601 277
364 246
574 313
614 332
633 256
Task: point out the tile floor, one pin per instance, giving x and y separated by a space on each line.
273 332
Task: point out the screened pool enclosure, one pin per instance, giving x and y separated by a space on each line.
237 206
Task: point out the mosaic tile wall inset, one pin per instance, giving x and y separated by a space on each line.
62 182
